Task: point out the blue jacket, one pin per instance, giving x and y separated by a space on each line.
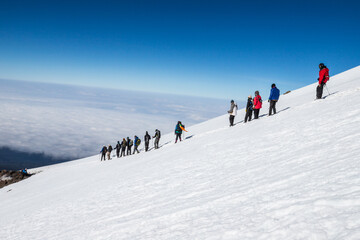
178 129
274 94
136 141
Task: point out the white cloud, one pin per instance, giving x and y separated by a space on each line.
69 121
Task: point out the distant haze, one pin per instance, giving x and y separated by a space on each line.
69 122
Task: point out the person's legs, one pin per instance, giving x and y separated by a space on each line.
272 107
231 120
256 113
250 114
319 91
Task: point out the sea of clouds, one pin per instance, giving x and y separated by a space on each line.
65 121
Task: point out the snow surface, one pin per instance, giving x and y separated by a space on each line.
294 175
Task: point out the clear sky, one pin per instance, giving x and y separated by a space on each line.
223 49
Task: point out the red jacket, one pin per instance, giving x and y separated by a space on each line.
257 102
323 75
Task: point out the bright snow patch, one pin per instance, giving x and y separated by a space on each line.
5 178
295 175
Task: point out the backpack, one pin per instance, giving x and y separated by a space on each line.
159 133
178 128
131 143
138 141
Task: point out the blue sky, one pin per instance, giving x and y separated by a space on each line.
221 49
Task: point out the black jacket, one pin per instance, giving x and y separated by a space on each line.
249 104
147 138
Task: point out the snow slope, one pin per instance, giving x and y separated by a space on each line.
294 175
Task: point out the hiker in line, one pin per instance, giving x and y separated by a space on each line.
232 112
257 104
103 153
147 138
24 172
273 98
129 145
118 148
249 109
137 142
109 152
157 138
323 78
123 147
178 131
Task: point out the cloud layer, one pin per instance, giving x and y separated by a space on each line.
68 121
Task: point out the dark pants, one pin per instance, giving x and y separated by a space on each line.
103 155
122 152
178 135
231 118
118 152
129 150
256 113
156 143
319 90
146 146
272 106
135 149
248 115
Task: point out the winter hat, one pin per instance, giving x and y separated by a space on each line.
273 85
321 66
256 92
232 101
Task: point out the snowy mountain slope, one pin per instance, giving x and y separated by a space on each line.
294 175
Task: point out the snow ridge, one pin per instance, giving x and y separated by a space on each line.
294 175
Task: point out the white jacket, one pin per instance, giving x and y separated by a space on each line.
233 109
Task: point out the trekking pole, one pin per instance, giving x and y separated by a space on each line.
327 89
